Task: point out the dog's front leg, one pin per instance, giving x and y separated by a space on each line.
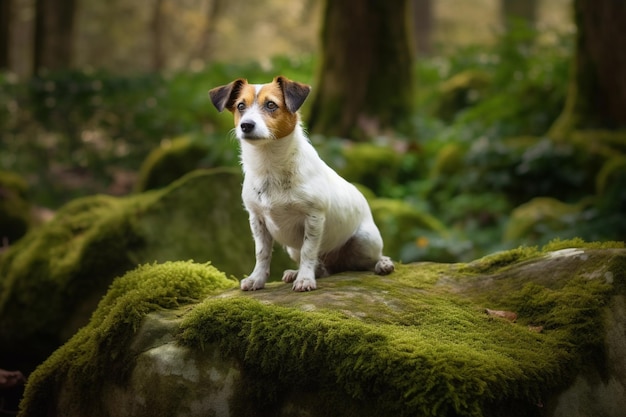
313 231
263 243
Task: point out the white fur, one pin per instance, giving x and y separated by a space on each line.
293 197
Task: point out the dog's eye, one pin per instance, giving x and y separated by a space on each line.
241 106
270 105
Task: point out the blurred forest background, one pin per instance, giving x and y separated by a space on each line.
471 133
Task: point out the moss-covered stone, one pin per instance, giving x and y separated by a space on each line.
15 216
169 161
101 351
540 216
52 279
416 342
374 166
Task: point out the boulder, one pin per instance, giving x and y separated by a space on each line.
542 216
526 332
375 166
15 216
52 279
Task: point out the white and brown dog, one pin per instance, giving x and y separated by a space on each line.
291 195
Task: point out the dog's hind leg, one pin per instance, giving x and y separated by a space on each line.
362 252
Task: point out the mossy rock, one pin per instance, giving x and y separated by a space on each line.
401 223
15 208
52 279
426 340
171 160
460 91
539 217
612 175
374 166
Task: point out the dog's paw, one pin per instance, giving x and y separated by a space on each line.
290 275
384 266
304 284
252 284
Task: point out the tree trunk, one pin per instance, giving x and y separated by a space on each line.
597 93
5 40
422 26
525 10
206 44
158 56
54 31
365 81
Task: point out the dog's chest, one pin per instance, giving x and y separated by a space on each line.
282 203
272 196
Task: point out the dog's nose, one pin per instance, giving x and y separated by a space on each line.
247 127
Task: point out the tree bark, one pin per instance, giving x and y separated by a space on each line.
525 10
597 94
365 81
5 39
158 55
206 44
422 26
54 32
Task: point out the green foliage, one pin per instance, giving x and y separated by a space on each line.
99 122
102 348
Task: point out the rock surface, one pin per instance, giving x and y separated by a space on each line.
179 339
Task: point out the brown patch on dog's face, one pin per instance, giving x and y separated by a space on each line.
271 100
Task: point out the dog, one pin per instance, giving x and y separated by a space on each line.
291 195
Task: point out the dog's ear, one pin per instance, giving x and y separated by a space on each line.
224 97
295 93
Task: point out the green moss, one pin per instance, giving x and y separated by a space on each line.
612 172
497 261
101 349
608 143
558 244
46 273
541 214
494 262
15 218
170 161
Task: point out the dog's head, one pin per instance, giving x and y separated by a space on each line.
262 111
